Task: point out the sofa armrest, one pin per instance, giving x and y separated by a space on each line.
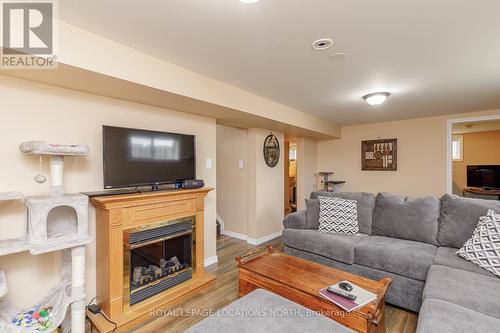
296 220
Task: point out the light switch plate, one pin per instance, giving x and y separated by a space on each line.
240 164
209 163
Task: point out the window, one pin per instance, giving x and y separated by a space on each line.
293 151
457 149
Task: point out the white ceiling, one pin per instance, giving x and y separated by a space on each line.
434 56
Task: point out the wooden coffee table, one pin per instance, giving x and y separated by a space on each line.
300 281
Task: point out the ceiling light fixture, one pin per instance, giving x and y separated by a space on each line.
376 98
322 44
249 1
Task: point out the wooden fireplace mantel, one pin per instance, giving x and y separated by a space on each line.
116 214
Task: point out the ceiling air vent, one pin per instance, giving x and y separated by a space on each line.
322 44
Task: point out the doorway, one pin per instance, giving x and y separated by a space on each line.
473 157
290 174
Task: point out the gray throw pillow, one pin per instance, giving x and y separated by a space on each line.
459 218
338 216
483 248
312 214
406 218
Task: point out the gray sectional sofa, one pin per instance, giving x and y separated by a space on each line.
413 241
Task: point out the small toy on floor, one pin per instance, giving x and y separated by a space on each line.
38 318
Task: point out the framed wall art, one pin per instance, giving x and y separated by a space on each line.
379 155
271 150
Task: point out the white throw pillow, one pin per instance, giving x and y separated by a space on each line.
338 216
483 248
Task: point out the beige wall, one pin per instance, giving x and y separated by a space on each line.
306 170
478 148
265 187
422 151
250 201
232 181
30 111
76 48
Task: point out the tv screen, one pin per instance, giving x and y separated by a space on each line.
483 176
135 157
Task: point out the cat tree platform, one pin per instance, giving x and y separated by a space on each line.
8 196
43 148
13 245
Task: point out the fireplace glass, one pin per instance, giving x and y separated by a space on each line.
158 258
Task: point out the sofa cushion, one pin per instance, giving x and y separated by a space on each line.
472 291
406 218
338 216
404 257
297 220
438 316
459 217
447 256
365 203
319 259
403 291
263 311
337 247
483 248
312 214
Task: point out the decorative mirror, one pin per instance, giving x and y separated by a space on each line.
271 150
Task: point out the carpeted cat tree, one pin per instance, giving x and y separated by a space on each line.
54 222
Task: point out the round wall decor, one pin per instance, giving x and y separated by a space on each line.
271 150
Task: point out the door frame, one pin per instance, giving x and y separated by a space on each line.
449 136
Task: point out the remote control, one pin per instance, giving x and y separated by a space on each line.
341 293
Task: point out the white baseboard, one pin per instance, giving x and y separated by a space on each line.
221 221
211 261
252 241
264 239
234 235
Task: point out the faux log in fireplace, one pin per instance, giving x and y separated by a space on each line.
149 250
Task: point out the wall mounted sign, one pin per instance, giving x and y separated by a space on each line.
379 155
271 150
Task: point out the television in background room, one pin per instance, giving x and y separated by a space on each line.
484 176
136 157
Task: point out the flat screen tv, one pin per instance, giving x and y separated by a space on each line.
487 176
136 157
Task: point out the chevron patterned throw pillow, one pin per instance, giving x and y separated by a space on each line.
483 248
338 216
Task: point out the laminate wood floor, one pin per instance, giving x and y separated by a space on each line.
225 291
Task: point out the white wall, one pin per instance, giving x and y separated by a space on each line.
266 187
31 111
249 200
232 181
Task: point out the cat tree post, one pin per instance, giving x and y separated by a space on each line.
56 175
78 289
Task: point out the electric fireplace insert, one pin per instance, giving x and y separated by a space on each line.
157 258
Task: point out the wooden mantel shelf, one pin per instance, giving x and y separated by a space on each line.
119 213
136 199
